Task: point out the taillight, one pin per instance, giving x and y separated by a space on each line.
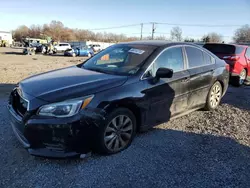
232 58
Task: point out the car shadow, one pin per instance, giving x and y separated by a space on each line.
14 53
238 97
167 158
5 89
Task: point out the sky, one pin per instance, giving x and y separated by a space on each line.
93 14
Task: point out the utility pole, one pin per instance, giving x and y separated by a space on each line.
141 30
153 30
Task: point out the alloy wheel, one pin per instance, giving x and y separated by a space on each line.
215 96
118 133
242 76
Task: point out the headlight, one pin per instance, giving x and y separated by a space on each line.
65 108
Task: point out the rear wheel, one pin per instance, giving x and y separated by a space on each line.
239 80
117 133
214 96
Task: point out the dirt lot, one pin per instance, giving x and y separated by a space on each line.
202 149
15 66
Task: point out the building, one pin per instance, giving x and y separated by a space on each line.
4 35
103 45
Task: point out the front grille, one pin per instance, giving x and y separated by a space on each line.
19 104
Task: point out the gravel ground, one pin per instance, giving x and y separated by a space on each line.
202 149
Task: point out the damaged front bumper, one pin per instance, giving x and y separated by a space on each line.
57 137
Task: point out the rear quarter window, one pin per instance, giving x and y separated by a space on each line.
208 59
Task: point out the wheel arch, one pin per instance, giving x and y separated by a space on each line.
130 105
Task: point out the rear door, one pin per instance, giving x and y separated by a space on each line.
201 69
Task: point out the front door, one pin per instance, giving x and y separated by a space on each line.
201 68
168 96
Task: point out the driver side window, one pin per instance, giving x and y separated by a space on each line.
171 58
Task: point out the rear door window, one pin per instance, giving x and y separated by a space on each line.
195 57
224 48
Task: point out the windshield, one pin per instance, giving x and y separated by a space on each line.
120 59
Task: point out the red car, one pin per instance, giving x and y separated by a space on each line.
238 59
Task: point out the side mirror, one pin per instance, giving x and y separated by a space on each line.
164 73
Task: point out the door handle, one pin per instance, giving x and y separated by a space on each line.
186 79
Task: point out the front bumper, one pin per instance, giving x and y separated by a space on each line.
55 137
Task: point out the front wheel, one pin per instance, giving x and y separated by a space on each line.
214 96
117 133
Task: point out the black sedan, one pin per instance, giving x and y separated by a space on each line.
99 105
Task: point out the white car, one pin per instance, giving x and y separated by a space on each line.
61 47
96 47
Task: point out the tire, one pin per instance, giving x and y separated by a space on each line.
239 80
110 139
214 97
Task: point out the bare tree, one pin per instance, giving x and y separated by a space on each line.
215 37
20 32
57 31
212 37
35 31
176 34
242 34
161 37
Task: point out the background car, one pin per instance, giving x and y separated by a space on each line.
237 57
101 103
61 47
96 47
79 51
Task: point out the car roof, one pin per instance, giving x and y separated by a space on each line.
160 43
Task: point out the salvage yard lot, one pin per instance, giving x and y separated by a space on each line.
202 149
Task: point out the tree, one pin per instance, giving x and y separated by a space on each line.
215 37
35 31
205 38
58 32
161 37
176 34
20 32
212 37
242 34
189 40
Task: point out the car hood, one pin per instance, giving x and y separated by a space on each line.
67 83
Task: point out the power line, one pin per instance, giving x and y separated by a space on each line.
117 27
188 34
197 25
